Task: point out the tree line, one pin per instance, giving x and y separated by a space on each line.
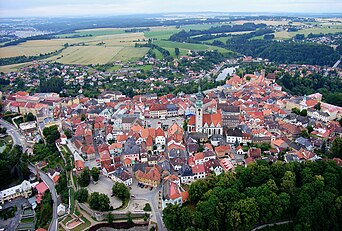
307 194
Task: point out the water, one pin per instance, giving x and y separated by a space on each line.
225 72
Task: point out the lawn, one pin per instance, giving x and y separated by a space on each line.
94 32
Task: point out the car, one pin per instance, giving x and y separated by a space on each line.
133 196
146 186
151 188
112 195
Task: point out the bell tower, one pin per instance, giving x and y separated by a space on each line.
199 111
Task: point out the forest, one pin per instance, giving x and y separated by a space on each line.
330 87
306 195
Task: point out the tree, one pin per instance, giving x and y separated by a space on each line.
84 178
177 51
99 201
82 195
318 106
110 218
336 148
304 112
295 110
30 117
305 134
51 134
197 189
67 133
310 128
147 207
288 183
120 190
95 173
248 78
83 117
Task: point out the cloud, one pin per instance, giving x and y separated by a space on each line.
114 7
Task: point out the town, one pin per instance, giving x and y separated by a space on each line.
84 149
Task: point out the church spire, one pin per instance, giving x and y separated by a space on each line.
199 96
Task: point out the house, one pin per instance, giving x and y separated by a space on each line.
223 151
226 165
79 166
172 193
22 190
61 209
254 152
122 175
131 150
150 177
41 188
234 136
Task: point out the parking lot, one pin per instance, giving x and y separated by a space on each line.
12 223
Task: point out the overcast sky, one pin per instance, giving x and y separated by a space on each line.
17 8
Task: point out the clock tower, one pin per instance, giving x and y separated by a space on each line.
199 111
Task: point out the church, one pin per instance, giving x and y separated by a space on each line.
209 123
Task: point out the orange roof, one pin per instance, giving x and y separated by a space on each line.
160 132
41 229
79 164
199 168
185 196
222 148
115 145
127 161
199 156
278 142
121 138
56 178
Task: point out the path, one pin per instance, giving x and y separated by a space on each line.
270 224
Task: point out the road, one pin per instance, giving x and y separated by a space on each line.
54 224
152 197
270 224
18 139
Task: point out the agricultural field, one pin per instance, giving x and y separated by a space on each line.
185 47
314 30
30 48
269 22
86 55
13 67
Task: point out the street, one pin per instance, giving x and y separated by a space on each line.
54 223
18 139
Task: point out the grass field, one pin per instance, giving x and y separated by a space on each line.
94 32
268 22
13 67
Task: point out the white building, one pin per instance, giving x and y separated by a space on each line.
22 190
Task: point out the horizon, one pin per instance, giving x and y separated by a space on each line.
107 8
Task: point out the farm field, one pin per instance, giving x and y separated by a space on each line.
30 48
268 22
86 55
315 30
13 67
185 47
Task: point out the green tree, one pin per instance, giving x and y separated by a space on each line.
288 183
110 218
318 106
336 148
84 178
67 133
177 51
99 201
244 214
147 207
304 112
30 117
310 128
95 173
82 195
197 189
51 134
120 190
305 134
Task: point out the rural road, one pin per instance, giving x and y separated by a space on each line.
18 139
54 224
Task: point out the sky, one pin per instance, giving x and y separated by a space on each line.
28 8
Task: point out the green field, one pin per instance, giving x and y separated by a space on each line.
161 33
185 47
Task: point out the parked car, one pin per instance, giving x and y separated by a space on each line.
146 186
151 188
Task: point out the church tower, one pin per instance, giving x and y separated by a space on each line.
199 111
